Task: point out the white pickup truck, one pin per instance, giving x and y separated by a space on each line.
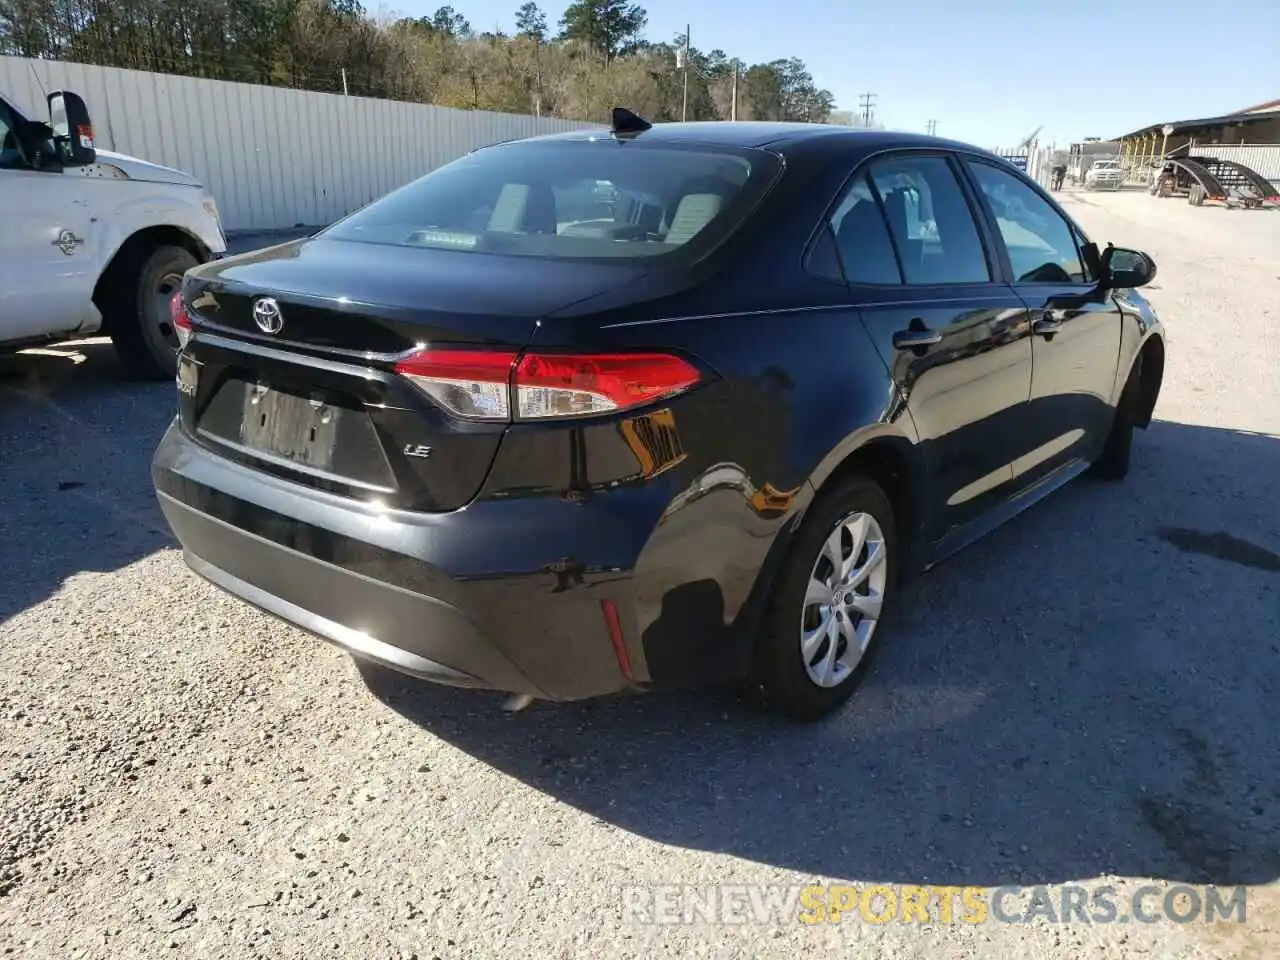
1104 175
92 241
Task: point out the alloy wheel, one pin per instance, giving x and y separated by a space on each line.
843 599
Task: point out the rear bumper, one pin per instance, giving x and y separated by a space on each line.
377 622
415 593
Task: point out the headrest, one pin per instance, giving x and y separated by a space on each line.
695 211
524 208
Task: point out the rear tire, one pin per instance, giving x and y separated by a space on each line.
1113 463
815 650
137 312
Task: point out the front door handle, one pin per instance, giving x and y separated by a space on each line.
916 337
1047 326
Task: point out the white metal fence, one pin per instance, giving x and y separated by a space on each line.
1262 158
1036 161
272 157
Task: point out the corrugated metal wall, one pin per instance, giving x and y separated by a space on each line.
272 157
1264 159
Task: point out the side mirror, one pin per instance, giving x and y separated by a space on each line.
72 128
1125 269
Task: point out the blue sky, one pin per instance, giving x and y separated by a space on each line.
989 71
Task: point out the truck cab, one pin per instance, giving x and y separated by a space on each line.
94 241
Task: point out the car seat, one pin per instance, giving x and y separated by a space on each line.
524 208
701 200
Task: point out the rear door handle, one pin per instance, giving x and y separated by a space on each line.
916 337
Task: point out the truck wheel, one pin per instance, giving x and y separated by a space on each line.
143 337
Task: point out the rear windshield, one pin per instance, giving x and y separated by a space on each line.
577 199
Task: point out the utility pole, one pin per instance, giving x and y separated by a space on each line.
684 105
344 81
733 103
931 127
537 77
867 102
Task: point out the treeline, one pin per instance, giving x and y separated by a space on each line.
593 58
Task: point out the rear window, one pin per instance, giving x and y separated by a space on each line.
579 199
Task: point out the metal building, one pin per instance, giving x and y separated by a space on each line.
1250 136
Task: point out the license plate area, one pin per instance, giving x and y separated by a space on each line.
300 429
306 433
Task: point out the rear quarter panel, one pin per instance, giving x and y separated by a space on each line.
796 386
712 483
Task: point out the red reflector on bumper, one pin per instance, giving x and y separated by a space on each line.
614 623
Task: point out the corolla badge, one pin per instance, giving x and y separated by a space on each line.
267 315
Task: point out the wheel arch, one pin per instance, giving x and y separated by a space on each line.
129 256
893 463
888 458
1149 362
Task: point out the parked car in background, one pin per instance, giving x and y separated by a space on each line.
94 241
481 433
1104 175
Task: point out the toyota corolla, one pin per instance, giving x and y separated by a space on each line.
658 404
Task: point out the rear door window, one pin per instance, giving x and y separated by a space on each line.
932 225
862 237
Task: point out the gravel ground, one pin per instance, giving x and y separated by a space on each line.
1087 696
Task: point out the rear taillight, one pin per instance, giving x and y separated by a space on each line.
483 384
178 317
565 385
468 383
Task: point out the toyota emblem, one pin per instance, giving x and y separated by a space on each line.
267 315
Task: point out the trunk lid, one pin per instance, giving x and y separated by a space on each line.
313 397
338 295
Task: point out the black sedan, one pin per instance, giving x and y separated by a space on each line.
662 404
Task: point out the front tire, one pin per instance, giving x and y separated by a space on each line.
137 312
834 591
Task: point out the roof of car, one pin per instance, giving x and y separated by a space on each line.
756 133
